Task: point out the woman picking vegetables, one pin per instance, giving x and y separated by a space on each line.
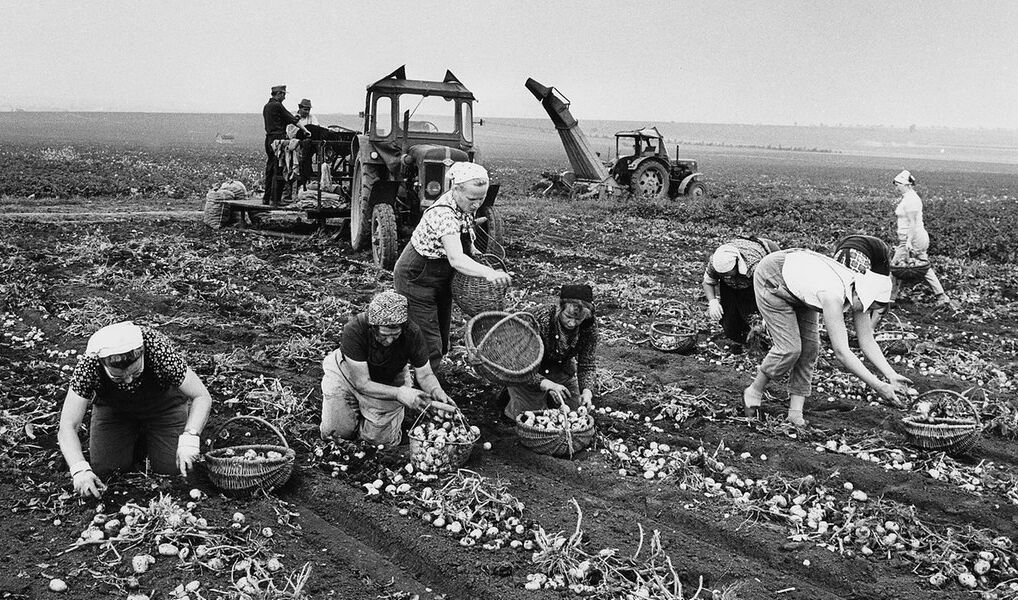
728 285
863 253
138 382
443 242
566 375
792 288
364 388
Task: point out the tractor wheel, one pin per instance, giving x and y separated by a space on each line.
696 190
384 239
364 178
492 230
650 181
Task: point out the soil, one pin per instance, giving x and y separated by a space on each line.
276 306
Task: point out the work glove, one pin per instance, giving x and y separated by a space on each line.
86 483
714 309
188 449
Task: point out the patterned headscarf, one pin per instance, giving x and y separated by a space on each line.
387 308
465 171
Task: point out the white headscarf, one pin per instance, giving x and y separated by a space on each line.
726 258
904 178
872 287
118 338
465 171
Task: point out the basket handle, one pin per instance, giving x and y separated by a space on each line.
672 307
972 407
491 258
518 315
215 434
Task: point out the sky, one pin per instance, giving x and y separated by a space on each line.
867 62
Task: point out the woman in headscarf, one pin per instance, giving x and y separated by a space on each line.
913 240
863 253
138 383
365 387
793 287
442 243
567 373
728 284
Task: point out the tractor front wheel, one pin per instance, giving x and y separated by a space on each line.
364 178
384 238
696 190
650 181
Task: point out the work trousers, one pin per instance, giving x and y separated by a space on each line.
921 245
114 433
738 306
273 172
351 415
427 284
793 326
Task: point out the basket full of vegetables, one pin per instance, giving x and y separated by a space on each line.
441 442
250 466
910 269
558 432
944 421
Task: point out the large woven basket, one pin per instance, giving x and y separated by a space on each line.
453 455
944 434
668 332
228 470
911 272
559 442
504 348
475 295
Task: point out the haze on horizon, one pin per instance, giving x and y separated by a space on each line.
931 63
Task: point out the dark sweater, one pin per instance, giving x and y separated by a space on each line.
561 348
277 117
873 248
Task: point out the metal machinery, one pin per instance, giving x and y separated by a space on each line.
641 161
414 131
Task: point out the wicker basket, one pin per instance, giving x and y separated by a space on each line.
669 336
560 442
944 434
911 272
504 348
452 455
228 470
475 295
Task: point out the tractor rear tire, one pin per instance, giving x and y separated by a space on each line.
696 190
364 178
650 181
384 237
492 230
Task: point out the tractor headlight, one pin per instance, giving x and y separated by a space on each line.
374 155
433 188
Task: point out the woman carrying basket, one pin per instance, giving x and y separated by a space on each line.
140 384
793 287
364 386
913 240
728 285
443 242
567 373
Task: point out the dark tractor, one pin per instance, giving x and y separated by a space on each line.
413 132
643 165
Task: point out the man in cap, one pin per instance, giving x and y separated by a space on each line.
443 243
304 116
139 386
276 119
365 389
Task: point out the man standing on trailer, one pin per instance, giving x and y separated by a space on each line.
276 119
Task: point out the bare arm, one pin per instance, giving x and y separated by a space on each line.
463 263
834 321
870 349
360 377
912 217
71 416
711 291
201 401
430 385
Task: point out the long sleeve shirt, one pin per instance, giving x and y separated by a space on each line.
562 347
277 117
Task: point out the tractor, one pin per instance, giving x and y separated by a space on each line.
414 131
642 164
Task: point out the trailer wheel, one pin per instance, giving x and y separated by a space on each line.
384 239
364 178
492 230
650 180
696 190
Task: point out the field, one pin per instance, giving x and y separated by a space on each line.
676 488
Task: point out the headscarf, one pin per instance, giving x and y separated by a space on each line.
727 258
577 291
872 287
465 171
387 308
904 178
115 339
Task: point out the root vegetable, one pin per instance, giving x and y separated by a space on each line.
967 579
57 585
168 550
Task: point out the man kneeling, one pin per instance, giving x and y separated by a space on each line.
365 388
